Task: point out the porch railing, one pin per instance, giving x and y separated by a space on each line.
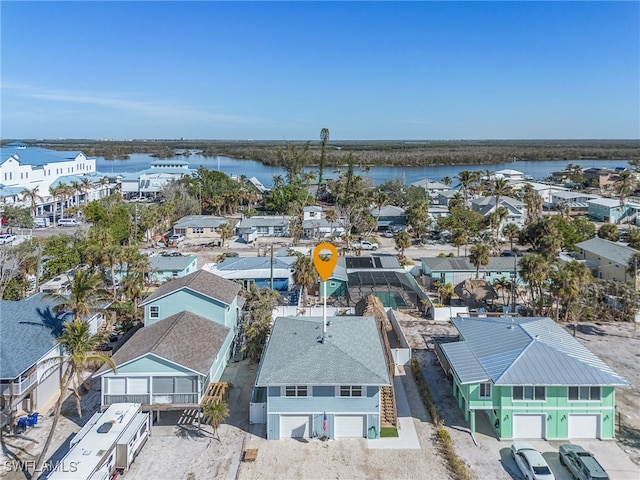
19 386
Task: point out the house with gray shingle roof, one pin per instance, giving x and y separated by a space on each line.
28 331
312 382
531 378
202 227
162 268
190 326
172 361
263 226
516 210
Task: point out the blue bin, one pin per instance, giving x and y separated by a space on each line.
21 426
32 419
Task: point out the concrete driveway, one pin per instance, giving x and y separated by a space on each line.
615 462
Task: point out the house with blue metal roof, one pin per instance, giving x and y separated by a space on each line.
190 326
273 272
314 381
150 182
28 331
531 378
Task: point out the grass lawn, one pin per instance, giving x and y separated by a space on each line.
388 432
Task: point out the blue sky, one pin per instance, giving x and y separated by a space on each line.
284 71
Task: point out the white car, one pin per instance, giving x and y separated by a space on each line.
531 462
176 238
7 238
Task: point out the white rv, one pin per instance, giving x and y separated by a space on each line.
108 443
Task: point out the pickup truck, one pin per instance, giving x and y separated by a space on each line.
364 245
581 464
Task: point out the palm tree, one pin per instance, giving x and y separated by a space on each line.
534 270
77 190
380 199
55 193
215 412
79 346
511 231
466 179
500 188
446 292
403 241
86 186
226 231
102 185
447 181
479 256
33 197
84 297
503 285
324 138
305 275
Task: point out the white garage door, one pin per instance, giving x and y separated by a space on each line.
351 426
294 426
528 426
584 426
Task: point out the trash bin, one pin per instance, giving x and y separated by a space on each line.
32 419
21 426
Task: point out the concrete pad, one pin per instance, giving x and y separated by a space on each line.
408 438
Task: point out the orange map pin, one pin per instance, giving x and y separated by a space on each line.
325 267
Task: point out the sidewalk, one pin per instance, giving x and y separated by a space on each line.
408 437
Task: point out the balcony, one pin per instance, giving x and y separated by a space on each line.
20 386
163 398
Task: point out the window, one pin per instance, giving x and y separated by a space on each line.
154 311
484 390
116 386
262 229
584 393
198 229
295 391
529 392
350 391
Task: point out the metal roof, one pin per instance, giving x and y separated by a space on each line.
524 351
615 252
263 222
202 221
388 211
351 355
37 156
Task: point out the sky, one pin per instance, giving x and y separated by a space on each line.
284 70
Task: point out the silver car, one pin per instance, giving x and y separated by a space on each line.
531 462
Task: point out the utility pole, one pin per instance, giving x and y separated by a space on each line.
271 283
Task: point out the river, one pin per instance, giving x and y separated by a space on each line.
378 174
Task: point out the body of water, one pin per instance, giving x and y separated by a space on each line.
378 174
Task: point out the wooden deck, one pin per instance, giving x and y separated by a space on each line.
216 391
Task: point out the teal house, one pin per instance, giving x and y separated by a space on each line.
455 270
190 326
530 378
314 382
612 211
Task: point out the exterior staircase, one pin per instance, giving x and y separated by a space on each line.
388 417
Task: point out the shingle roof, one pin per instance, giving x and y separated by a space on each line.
184 338
202 282
616 252
351 355
524 351
160 263
388 211
28 329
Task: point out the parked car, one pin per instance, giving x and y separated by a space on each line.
68 222
582 464
531 462
364 245
177 238
7 238
388 234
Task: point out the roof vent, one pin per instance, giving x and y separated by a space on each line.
537 337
